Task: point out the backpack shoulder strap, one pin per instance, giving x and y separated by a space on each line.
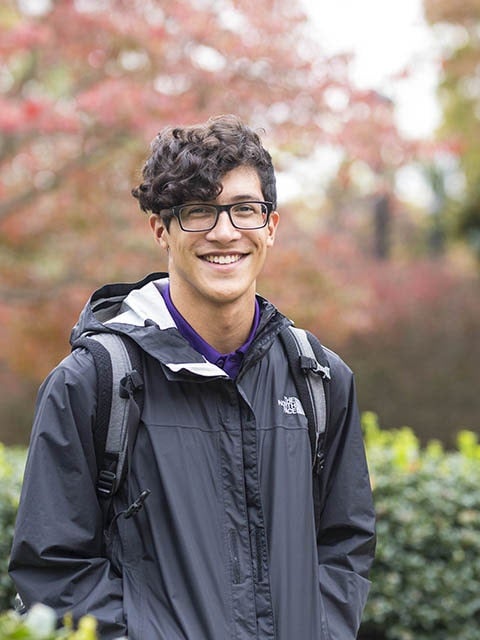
119 404
310 368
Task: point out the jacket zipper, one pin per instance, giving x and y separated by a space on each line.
234 557
259 553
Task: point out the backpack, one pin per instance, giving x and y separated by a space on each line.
120 399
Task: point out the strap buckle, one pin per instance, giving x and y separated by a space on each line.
106 483
311 364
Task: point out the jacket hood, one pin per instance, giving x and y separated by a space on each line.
114 307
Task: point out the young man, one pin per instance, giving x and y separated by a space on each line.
225 546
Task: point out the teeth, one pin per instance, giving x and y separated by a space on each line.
223 259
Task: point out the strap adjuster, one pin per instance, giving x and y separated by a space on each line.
311 364
106 483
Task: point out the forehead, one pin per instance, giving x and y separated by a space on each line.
241 183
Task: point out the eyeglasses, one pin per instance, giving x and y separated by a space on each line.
203 217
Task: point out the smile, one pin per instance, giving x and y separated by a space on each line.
224 259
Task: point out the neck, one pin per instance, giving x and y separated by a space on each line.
224 327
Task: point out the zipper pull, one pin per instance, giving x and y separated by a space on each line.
136 505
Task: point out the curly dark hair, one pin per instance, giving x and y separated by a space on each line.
188 163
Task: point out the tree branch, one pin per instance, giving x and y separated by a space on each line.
11 206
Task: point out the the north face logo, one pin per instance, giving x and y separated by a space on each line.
291 405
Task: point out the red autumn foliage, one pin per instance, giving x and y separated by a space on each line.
87 85
83 89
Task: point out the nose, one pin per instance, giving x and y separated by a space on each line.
223 231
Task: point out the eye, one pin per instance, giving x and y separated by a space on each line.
246 208
197 211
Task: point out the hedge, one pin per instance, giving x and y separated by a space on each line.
427 569
40 624
12 462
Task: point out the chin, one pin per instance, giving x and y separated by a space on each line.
228 296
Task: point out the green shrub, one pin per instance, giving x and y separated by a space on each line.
12 462
40 623
427 569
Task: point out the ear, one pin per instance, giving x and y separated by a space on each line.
159 230
273 221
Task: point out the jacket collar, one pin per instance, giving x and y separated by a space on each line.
139 311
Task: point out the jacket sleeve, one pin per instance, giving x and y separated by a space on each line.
346 537
58 554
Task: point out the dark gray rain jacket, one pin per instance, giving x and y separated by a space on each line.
225 546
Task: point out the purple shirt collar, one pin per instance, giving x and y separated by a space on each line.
229 362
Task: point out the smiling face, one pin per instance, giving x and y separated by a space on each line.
219 267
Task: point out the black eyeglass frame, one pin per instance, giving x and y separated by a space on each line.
175 211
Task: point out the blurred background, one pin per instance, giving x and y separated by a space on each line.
372 114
